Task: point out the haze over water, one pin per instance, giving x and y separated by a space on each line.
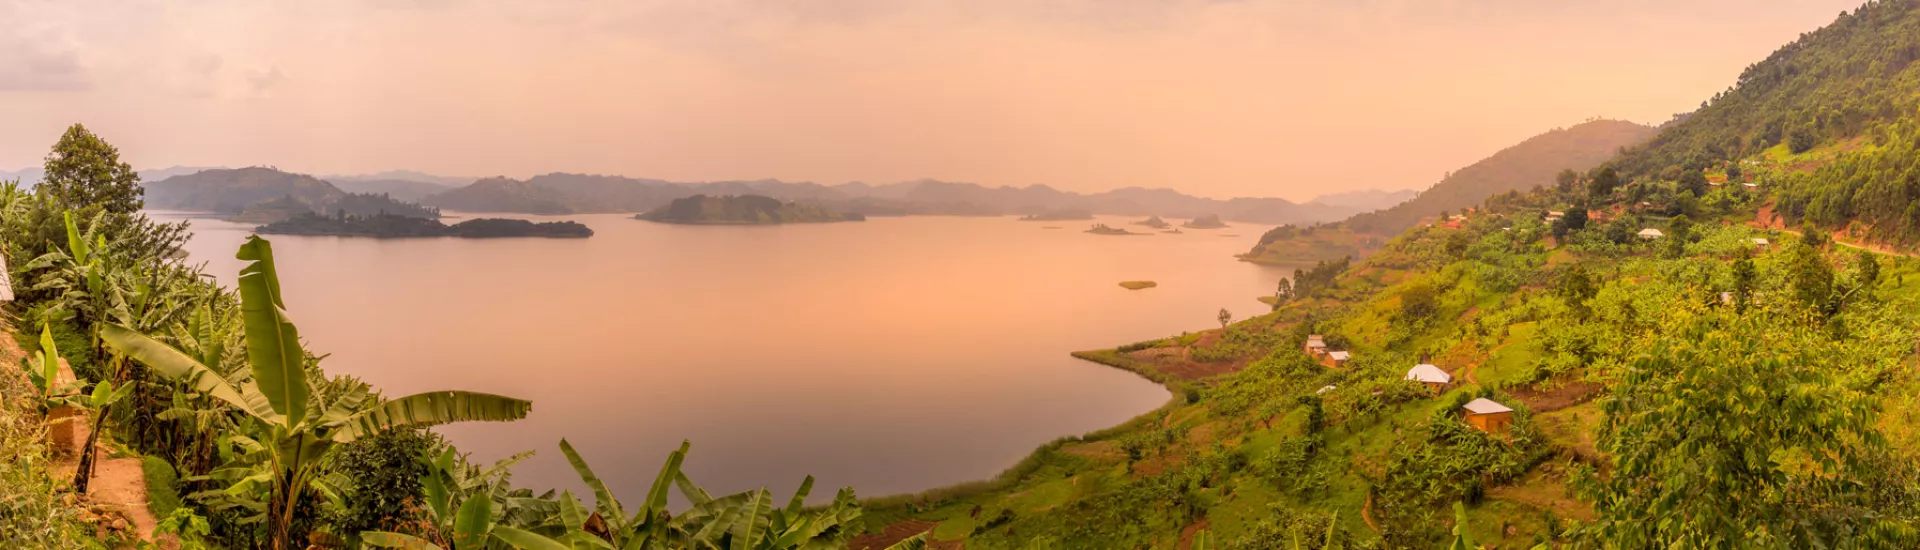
893 355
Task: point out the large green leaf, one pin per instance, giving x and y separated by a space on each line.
602 498
171 363
524 540
384 539
49 361
657 496
428 409
273 345
470 527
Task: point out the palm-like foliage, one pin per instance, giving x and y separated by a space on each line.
292 429
745 521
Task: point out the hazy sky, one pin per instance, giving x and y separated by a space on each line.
1290 98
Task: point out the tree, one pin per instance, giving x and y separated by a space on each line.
1744 275
1703 430
1809 272
1693 181
1679 233
1226 318
84 171
1283 293
1419 301
296 429
1602 183
1576 287
1801 139
1734 175
1565 179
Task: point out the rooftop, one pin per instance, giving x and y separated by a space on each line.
1486 406
1339 355
1428 373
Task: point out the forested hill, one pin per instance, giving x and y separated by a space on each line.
265 195
1526 165
1523 166
1832 84
1837 110
743 210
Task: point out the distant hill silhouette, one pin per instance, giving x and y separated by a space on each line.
263 195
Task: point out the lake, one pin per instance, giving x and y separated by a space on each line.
893 355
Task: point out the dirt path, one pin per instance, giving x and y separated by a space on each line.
118 485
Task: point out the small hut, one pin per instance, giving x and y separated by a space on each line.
1761 244
1435 379
1651 234
1488 415
1316 345
1336 359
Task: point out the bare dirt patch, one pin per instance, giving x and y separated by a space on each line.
1558 397
891 534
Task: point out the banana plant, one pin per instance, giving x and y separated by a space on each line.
297 430
44 373
744 521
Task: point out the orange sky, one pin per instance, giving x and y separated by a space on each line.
1289 98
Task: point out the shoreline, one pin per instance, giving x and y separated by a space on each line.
1109 357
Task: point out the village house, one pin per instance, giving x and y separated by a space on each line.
1323 389
1488 415
1335 359
1316 345
1651 234
1435 379
1761 244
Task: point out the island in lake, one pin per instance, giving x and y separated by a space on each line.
389 226
743 210
1154 222
1209 221
1104 229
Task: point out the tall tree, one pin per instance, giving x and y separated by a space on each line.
1743 276
1602 183
85 171
1565 179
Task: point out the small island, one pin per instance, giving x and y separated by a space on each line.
1104 229
1209 221
389 226
1137 285
1058 216
1154 222
743 210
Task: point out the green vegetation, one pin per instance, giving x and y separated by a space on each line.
392 226
742 210
1137 285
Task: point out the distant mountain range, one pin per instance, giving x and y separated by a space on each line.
561 193
235 190
265 195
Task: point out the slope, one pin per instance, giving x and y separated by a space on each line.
1523 166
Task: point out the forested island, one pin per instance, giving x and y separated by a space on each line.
389 226
1209 221
1154 222
743 210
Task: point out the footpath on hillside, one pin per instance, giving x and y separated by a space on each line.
116 499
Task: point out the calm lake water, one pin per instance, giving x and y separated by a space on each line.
893 355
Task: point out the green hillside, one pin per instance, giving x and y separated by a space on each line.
1524 166
1701 389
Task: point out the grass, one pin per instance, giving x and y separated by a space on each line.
1137 285
162 497
31 512
1512 362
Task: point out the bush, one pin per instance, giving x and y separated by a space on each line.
163 496
384 474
